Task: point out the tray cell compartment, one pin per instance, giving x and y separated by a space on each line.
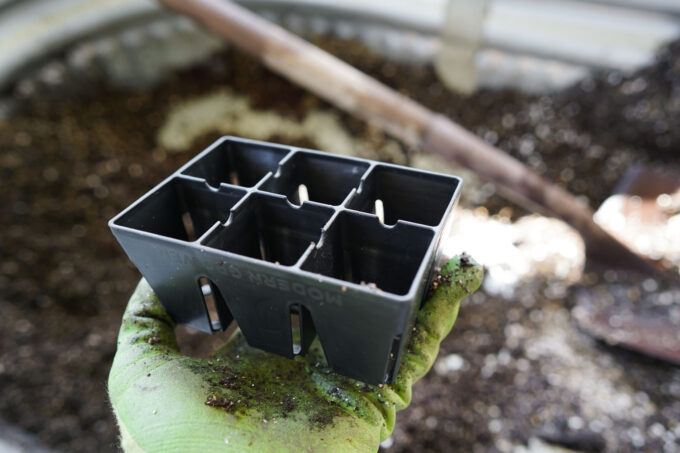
270 229
358 248
181 209
404 194
326 179
237 163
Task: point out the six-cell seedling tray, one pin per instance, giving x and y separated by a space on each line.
283 239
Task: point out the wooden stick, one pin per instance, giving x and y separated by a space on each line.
355 92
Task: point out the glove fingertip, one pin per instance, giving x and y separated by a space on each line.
464 272
460 277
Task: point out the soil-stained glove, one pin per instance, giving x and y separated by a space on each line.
243 399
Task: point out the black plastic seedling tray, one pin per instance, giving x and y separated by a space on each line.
266 234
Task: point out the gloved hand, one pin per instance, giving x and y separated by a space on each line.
243 399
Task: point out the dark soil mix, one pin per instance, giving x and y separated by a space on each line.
69 163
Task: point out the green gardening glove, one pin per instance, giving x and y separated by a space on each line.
243 399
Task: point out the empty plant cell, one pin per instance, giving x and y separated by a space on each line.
358 248
270 229
316 177
181 209
238 164
394 193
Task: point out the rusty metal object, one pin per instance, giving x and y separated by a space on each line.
644 214
625 314
636 312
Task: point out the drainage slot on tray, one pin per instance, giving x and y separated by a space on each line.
303 194
181 209
302 329
379 210
358 249
237 163
188 223
210 305
295 328
394 352
268 228
401 194
218 313
316 177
